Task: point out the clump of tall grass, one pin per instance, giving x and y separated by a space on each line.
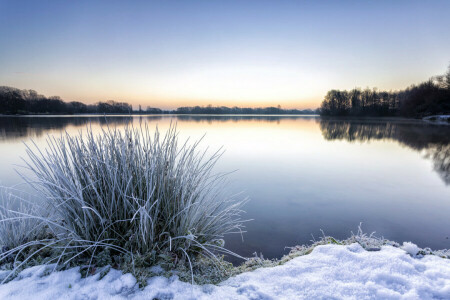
126 193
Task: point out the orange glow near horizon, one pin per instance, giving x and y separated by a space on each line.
216 85
165 102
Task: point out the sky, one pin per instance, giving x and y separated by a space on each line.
247 53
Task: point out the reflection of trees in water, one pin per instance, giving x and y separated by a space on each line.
235 118
434 140
26 127
440 154
341 130
35 126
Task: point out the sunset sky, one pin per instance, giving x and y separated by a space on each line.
247 53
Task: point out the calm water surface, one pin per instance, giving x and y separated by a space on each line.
302 174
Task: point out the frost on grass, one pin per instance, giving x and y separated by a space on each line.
128 199
17 226
20 232
330 271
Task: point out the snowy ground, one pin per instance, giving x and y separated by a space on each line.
330 271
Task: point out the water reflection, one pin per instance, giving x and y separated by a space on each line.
433 140
440 154
36 126
238 118
299 175
12 128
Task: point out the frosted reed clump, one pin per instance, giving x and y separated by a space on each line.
131 193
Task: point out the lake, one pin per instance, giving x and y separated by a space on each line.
301 173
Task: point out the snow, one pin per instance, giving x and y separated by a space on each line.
411 248
330 271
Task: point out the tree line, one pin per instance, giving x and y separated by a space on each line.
431 97
428 98
16 101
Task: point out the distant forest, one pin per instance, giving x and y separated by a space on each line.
417 101
428 98
15 101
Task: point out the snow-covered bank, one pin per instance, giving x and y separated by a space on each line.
330 271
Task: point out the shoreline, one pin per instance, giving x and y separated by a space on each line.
428 119
369 243
359 267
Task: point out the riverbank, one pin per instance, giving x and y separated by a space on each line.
329 271
359 267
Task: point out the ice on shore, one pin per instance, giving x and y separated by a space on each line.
330 271
438 119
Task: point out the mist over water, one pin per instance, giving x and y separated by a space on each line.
302 174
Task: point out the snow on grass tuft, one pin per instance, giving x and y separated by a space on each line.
330 271
411 248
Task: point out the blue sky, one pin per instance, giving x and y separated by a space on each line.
246 53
